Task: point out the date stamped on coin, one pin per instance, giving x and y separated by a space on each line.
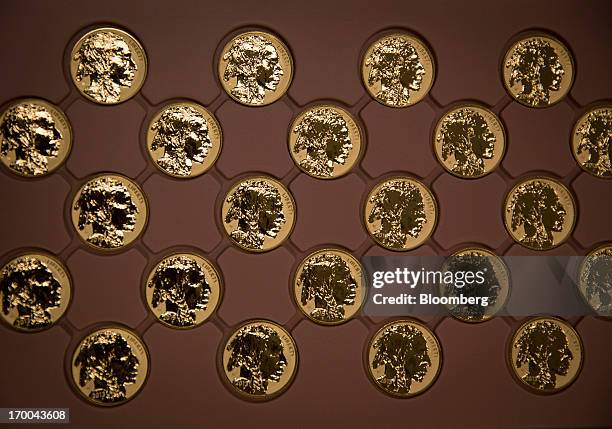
34 415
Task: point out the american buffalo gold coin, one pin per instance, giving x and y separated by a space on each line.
404 358
595 280
259 360
35 291
400 213
35 137
539 213
108 65
545 354
592 142
109 211
329 286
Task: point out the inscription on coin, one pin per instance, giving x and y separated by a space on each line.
592 142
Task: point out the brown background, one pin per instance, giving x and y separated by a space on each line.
181 38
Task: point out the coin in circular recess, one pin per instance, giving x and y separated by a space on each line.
325 141
184 140
538 70
108 65
400 213
328 286
546 354
595 280
110 366
35 137
255 68
109 211
398 69
539 213
35 291
491 283
404 358
258 213
259 360
469 141
183 290
592 142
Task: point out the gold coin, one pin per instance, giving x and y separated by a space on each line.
108 65
494 286
398 69
255 68
539 213
258 213
184 140
469 141
404 358
109 211
35 137
328 286
400 213
183 290
546 354
595 280
592 142
259 360
110 366
35 291
325 141
538 70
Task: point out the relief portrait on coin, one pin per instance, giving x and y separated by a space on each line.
544 349
402 352
596 140
253 61
535 66
399 207
324 135
536 207
179 284
598 281
465 135
395 63
326 279
258 352
106 359
107 206
106 59
28 285
29 131
258 207
182 132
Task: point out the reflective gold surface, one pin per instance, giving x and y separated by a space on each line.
592 142
404 358
595 280
546 354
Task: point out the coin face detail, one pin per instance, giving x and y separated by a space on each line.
108 65
595 280
398 70
259 360
258 213
109 211
400 213
592 142
110 366
539 213
404 358
328 286
35 137
255 68
325 141
546 354
183 290
35 291
184 140
538 70
469 141
494 287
